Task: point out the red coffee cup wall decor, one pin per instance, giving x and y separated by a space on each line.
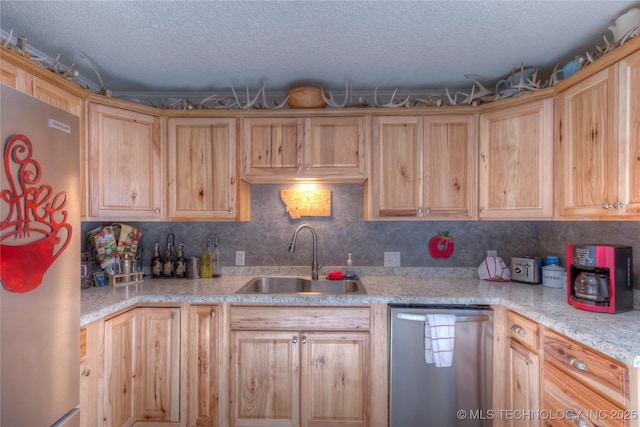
33 227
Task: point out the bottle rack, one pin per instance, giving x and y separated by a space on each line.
125 279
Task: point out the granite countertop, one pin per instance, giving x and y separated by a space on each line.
612 334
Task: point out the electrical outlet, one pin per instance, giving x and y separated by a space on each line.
239 257
392 259
492 253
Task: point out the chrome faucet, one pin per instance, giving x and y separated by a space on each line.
292 248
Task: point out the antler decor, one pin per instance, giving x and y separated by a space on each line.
519 82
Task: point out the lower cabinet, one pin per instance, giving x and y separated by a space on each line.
295 366
523 369
202 366
142 367
585 386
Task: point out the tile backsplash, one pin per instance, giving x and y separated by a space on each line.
265 239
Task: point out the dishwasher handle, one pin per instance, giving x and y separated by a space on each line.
459 318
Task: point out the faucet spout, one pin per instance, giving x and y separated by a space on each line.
292 248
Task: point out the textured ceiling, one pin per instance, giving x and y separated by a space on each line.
199 46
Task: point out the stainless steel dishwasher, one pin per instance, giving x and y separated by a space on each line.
422 394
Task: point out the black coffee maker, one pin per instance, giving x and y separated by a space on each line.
600 277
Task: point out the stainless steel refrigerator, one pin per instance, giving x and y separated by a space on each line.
39 263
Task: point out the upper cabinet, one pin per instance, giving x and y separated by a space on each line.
203 180
516 162
125 170
278 149
49 88
423 167
599 144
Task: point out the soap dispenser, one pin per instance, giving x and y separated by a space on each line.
349 271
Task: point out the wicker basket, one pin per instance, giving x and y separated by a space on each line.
306 97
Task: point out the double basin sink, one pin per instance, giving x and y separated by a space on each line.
301 286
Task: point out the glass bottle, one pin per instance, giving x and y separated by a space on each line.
180 264
215 260
206 261
156 262
167 270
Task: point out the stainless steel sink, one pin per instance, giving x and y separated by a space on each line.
299 285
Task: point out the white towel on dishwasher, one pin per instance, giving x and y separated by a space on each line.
439 338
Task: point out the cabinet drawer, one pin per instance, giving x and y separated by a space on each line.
596 370
523 330
566 399
299 318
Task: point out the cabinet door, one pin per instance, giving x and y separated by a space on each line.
202 169
52 94
523 385
91 390
588 147
334 386
516 162
265 378
119 370
13 76
202 367
272 148
396 172
450 158
335 147
629 134
157 382
124 164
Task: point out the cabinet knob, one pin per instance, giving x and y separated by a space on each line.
517 329
304 339
157 210
173 315
528 362
482 211
85 372
607 205
307 167
294 339
575 362
231 211
428 210
420 210
299 167
619 205
213 313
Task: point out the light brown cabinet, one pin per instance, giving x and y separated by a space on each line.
125 169
57 95
599 144
523 369
287 148
203 180
423 167
91 363
202 366
119 370
300 366
516 162
590 388
142 367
